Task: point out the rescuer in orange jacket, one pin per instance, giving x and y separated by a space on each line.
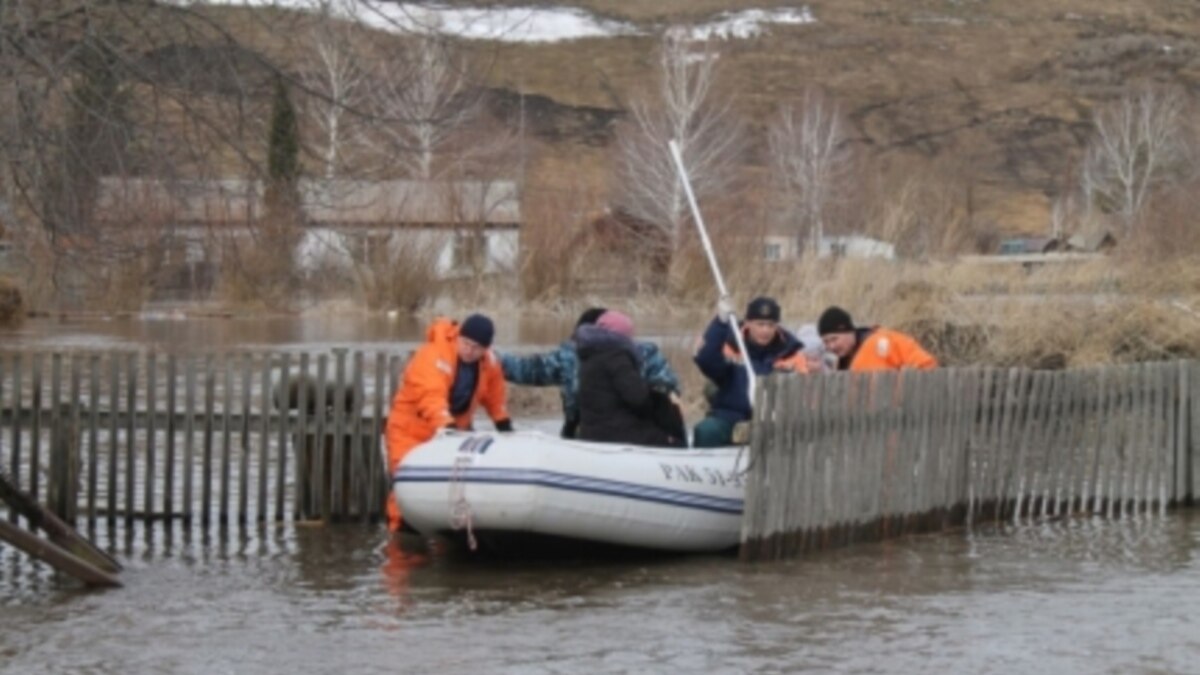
447 378
866 349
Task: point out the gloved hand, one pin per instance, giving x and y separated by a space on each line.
724 308
504 425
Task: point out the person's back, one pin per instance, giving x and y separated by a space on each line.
560 367
616 404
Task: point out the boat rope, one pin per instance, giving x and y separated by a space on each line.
460 508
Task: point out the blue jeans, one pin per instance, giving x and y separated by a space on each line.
712 432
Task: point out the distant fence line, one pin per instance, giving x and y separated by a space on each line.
863 457
203 439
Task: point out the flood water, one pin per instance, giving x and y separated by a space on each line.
1084 595
169 330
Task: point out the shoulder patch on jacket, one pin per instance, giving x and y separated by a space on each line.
882 346
445 367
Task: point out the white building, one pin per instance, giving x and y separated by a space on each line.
788 247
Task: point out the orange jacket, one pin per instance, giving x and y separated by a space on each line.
422 404
886 349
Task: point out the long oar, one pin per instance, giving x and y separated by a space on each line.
712 263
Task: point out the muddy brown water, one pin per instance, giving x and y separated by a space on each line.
1074 596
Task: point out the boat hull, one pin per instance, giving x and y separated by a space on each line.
528 483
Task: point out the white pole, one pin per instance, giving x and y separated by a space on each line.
712 263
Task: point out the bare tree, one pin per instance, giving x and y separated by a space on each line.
335 82
812 158
1139 143
684 109
421 98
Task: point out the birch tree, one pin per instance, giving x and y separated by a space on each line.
683 108
421 99
812 158
335 82
1138 144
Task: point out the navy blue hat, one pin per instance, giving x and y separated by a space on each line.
763 309
835 320
478 328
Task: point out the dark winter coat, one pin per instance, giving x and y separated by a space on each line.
616 404
720 362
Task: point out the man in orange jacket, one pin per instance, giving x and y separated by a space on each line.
867 349
449 376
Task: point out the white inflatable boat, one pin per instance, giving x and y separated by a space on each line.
491 487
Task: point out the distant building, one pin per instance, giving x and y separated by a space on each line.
1029 245
855 246
467 226
785 246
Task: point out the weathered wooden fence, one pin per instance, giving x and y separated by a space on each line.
859 457
197 439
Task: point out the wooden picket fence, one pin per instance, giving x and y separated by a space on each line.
862 457
202 439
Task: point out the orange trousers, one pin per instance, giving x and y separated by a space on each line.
396 452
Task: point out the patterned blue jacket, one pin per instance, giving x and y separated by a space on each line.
561 367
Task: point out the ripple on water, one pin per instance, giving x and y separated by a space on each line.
1081 595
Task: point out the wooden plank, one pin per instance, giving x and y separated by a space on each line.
282 442
189 437
1192 468
226 438
76 427
247 378
206 467
114 438
169 468
55 556
18 396
1164 418
337 501
378 463
1048 491
319 479
264 437
131 403
360 466
35 430
151 436
94 377
303 495
1178 475
59 532
58 451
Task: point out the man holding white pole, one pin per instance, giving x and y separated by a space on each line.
765 348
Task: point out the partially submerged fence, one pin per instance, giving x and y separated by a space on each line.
858 457
206 439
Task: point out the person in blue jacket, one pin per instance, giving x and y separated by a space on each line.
771 349
560 368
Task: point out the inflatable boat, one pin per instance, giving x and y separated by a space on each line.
498 488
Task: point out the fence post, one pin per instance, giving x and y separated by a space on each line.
63 487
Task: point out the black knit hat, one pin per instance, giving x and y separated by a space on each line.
835 320
763 309
590 316
479 328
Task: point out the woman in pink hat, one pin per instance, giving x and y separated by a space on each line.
616 405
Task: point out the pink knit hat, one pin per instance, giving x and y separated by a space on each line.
616 322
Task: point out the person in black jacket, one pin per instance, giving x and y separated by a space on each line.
616 405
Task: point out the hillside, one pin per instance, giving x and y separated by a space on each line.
999 91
